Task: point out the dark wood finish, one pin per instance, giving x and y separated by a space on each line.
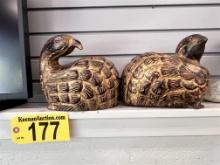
161 80
89 83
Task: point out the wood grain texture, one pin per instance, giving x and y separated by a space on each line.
104 3
39 97
116 43
121 19
209 61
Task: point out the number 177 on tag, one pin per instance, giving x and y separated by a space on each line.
36 128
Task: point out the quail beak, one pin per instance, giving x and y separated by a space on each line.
205 40
78 44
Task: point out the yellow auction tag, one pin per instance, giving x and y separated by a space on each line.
42 127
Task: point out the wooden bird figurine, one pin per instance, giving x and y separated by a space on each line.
90 83
161 80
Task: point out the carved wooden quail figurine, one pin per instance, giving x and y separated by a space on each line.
162 80
89 83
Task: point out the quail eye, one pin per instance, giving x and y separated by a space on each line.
56 44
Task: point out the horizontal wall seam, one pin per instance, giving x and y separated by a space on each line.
123 31
121 6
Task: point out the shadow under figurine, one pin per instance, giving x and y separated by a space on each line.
90 83
161 80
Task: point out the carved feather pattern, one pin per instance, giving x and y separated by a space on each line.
78 86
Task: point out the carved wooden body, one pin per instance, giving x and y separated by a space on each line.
89 83
162 80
